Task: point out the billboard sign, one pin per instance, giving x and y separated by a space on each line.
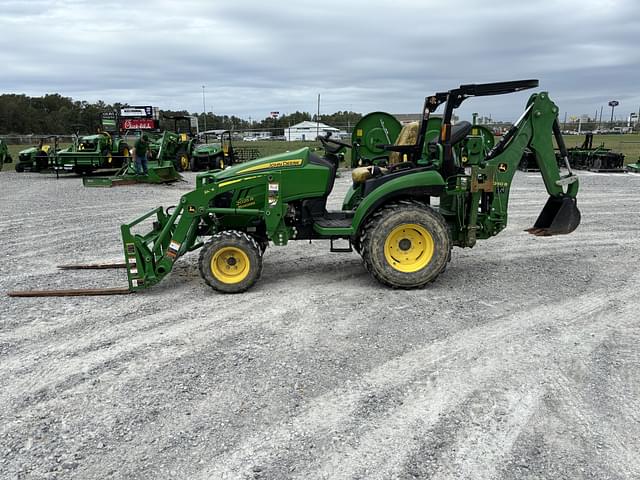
614 103
109 121
138 124
145 111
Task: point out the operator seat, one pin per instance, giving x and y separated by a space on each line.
408 136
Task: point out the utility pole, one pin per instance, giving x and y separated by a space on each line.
600 122
204 109
318 119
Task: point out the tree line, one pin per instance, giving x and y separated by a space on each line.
58 115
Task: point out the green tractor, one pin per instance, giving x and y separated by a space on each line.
213 155
175 145
5 156
388 215
92 152
38 158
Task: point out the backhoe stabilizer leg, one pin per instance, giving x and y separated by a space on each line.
559 216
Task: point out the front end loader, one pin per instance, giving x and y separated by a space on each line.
388 215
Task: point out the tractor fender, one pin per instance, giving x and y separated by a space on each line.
416 185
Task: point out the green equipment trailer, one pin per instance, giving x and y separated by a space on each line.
92 152
388 215
595 159
38 158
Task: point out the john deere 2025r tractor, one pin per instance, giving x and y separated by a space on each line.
387 215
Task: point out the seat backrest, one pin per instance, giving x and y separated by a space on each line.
407 136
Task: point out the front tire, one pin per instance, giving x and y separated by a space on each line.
182 161
231 262
405 244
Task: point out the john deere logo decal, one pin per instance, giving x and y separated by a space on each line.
503 167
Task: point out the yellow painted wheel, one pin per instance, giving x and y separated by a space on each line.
409 248
125 152
405 244
230 265
231 262
184 161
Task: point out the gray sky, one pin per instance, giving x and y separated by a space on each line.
258 56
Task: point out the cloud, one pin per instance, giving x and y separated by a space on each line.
255 57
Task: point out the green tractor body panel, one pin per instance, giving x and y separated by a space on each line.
283 197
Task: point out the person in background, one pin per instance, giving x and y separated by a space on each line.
141 149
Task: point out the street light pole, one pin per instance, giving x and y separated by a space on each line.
204 109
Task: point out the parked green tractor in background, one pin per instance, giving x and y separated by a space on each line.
92 152
214 155
5 156
38 158
175 145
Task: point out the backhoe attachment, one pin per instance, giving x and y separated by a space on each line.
559 216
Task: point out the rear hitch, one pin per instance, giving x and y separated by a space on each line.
559 216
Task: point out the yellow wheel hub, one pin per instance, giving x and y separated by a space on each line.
409 248
230 265
125 152
184 162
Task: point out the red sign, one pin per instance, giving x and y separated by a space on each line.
138 124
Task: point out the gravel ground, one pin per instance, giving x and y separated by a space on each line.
521 361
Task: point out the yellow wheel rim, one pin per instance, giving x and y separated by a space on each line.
230 265
409 248
184 162
109 158
125 152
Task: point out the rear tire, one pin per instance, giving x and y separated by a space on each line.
231 262
405 244
193 164
19 167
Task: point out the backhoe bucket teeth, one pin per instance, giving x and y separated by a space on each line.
559 216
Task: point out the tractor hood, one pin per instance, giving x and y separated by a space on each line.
28 151
207 148
294 159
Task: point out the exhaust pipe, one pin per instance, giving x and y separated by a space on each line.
559 216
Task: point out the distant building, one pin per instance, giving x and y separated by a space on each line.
308 131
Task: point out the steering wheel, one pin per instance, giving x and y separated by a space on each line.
327 139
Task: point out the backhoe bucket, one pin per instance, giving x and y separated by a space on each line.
559 216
